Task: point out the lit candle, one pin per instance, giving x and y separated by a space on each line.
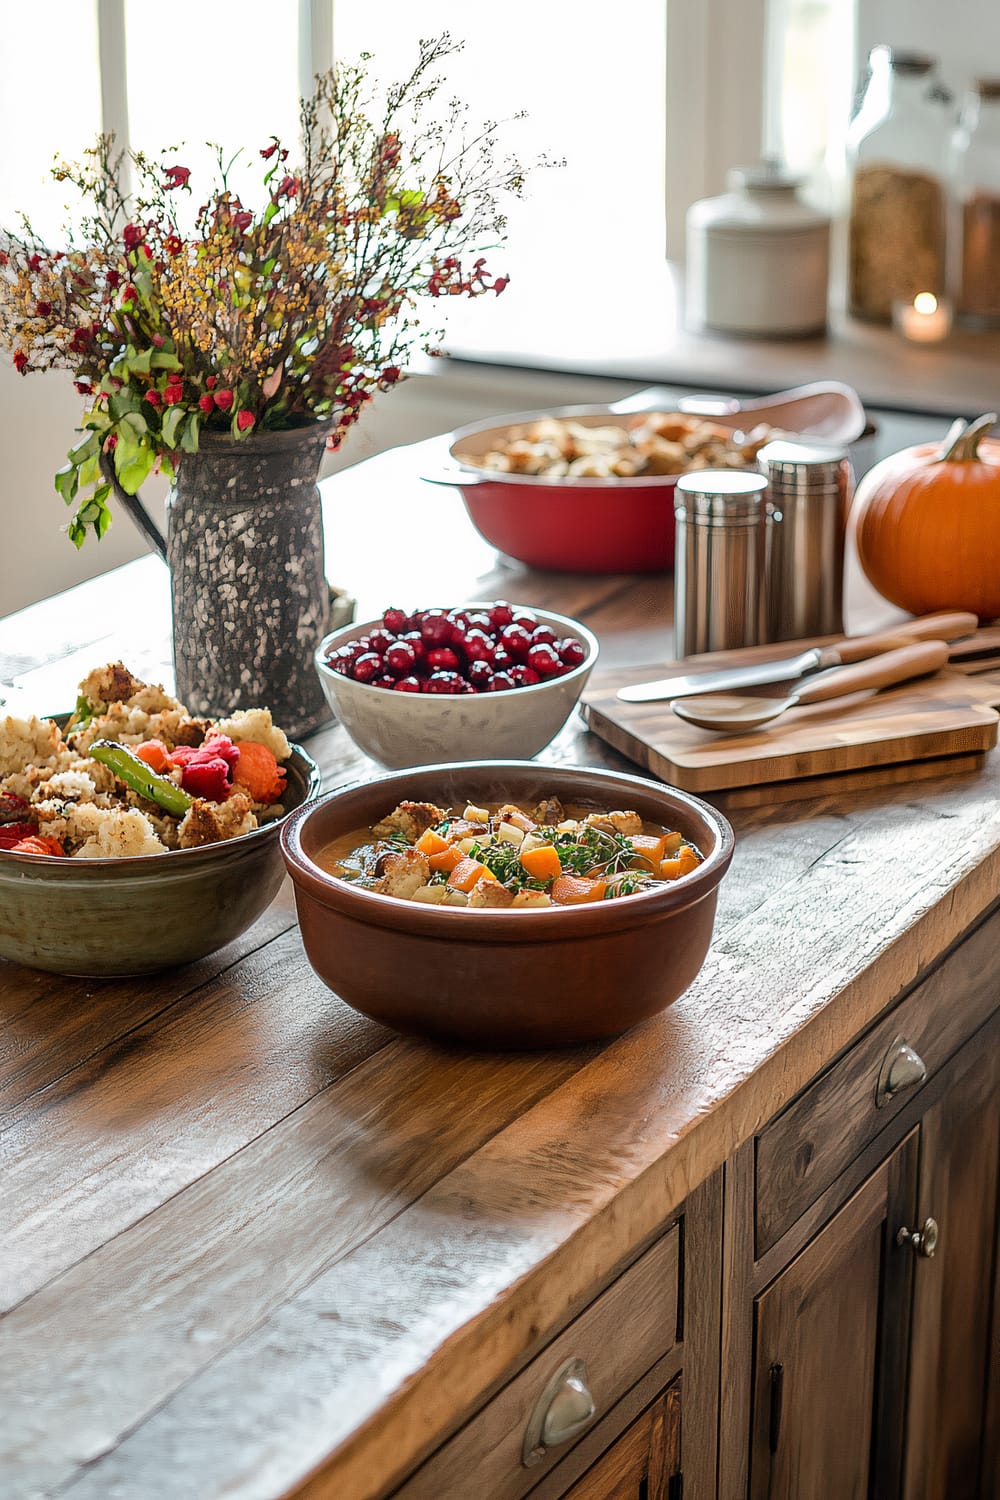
925 320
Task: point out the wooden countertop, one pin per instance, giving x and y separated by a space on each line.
250 1237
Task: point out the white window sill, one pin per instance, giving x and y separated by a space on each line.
629 327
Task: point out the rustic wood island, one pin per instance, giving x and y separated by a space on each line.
253 1245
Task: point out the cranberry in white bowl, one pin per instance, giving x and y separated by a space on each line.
456 683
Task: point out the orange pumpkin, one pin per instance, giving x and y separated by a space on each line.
926 524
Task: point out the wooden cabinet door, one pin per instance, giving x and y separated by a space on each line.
830 1343
950 1411
641 1464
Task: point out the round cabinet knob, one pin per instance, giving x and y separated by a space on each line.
563 1410
922 1241
902 1069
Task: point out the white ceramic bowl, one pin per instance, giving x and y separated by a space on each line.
419 729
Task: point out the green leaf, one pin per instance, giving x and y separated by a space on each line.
77 533
167 467
135 423
82 451
122 403
270 211
132 475
189 437
67 483
164 360
125 453
172 420
90 469
141 362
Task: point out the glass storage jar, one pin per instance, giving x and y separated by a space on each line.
897 152
975 171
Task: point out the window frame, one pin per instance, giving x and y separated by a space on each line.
714 108
715 112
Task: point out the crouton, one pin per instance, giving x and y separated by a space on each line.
209 822
487 892
532 898
113 683
549 811
625 823
411 818
403 874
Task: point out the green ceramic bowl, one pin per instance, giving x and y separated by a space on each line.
101 918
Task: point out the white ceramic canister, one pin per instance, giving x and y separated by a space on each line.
758 258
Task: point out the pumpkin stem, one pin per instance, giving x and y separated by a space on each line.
963 439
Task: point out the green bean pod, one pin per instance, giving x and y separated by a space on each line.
141 778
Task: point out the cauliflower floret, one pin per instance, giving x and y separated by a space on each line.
403 873
256 724
411 818
25 742
209 822
102 832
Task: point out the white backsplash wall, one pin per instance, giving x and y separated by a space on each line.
964 36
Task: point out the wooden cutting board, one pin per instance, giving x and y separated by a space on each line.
930 727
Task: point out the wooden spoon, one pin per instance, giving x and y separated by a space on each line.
731 715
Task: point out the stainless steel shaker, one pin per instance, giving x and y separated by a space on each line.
719 567
809 490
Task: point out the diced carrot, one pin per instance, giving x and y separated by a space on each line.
430 842
650 846
573 890
258 772
465 874
683 863
542 862
447 859
155 754
37 843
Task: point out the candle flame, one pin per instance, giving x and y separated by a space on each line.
925 302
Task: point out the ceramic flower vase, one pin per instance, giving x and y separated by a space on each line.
250 600
249 592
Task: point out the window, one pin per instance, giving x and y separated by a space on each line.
648 103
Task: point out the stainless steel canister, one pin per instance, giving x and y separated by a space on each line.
809 489
721 517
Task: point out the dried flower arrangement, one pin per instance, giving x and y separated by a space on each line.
248 319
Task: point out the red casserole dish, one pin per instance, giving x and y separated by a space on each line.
616 525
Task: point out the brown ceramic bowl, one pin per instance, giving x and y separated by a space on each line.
506 979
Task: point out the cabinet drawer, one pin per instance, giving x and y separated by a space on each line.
806 1147
616 1339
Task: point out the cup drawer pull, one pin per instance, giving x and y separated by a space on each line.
563 1410
902 1069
